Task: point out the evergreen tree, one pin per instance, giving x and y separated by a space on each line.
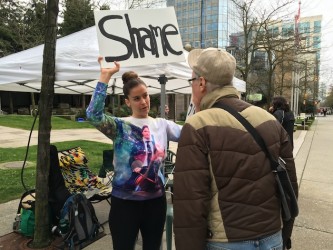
77 15
10 22
33 24
21 25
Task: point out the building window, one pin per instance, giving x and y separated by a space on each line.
304 28
287 30
317 27
316 42
307 42
274 31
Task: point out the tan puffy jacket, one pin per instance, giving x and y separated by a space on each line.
224 189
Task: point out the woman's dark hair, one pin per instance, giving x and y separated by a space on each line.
279 102
130 81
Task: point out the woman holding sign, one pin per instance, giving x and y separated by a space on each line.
138 201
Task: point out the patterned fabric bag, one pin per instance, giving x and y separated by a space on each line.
77 175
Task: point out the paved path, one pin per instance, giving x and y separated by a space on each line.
13 138
314 162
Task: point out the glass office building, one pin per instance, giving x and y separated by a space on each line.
205 23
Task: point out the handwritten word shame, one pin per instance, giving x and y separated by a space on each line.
141 39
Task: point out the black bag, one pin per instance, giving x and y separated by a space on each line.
288 198
287 194
78 222
58 193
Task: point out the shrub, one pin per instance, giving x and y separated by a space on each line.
182 116
122 111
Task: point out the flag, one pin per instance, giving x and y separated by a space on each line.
297 21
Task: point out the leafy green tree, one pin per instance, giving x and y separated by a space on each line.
33 30
10 20
77 15
21 25
329 99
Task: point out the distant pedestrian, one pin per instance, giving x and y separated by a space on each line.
166 111
281 110
324 111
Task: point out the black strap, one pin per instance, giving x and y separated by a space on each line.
25 194
251 129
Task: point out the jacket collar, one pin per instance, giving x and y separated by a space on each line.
209 99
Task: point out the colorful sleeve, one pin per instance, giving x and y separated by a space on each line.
95 112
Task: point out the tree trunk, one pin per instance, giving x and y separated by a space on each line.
42 236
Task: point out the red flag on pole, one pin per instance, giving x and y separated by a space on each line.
297 21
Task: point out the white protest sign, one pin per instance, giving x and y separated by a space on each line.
139 37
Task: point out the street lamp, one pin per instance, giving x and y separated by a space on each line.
188 47
1 55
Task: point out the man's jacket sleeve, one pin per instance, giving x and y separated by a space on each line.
191 191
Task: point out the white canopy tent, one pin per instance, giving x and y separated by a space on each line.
77 69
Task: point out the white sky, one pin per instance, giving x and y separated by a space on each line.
313 8
308 8
324 8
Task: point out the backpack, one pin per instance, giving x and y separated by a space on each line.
24 222
78 222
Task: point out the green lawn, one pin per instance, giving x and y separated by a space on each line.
10 179
26 122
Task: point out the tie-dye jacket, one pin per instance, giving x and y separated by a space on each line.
133 179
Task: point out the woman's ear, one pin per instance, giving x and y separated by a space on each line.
128 103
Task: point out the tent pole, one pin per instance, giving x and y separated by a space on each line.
83 106
113 94
33 104
11 104
0 106
162 80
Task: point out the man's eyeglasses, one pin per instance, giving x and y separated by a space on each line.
190 81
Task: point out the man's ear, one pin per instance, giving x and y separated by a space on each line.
202 84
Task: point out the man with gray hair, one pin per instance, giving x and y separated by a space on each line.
225 194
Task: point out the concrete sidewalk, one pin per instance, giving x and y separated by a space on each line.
314 225
13 138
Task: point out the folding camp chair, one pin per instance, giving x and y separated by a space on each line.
106 171
169 169
169 163
70 174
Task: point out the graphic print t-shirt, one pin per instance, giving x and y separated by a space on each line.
139 149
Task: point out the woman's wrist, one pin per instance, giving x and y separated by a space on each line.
104 77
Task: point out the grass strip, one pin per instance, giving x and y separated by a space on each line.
26 122
10 179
